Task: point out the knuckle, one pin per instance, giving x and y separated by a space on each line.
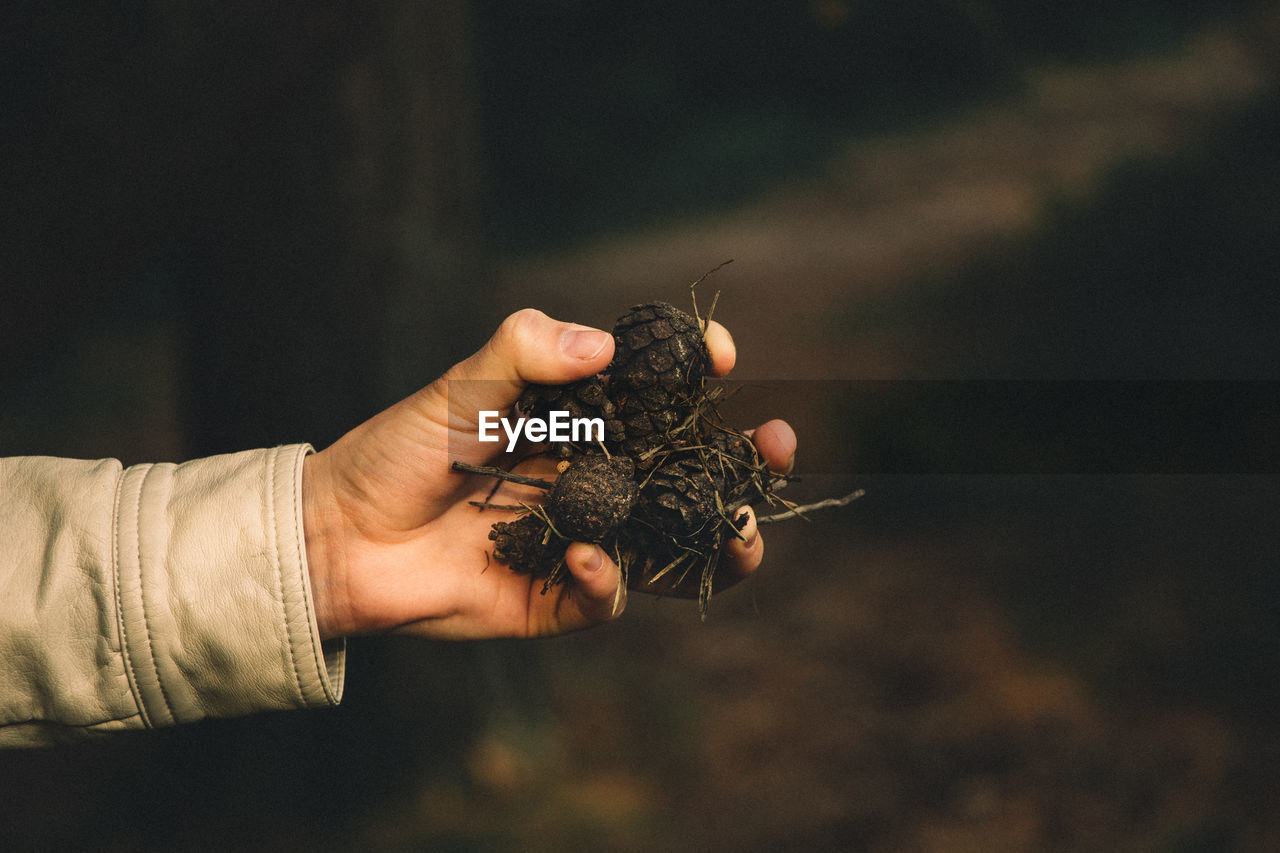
518 330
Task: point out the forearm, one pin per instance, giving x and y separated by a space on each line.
154 595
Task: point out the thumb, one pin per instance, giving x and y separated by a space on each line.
528 347
598 591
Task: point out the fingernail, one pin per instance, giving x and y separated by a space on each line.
583 343
742 519
596 560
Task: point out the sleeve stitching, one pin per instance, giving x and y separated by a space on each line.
275 553
316 652
142 598
130 672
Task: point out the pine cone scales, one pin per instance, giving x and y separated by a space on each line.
524 545
657 344
659 362
585 398
679 498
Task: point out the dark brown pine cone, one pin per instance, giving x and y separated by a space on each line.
679 500
527 544
732 460
585 398
680 497
658 365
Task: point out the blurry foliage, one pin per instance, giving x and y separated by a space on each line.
599 116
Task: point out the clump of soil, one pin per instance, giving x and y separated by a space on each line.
593 497
665 488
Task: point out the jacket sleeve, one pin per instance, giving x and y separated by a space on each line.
155 595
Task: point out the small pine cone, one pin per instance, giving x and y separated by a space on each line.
679 499
730 458
692 488
593 497
527 544
658 365
585 398
658 343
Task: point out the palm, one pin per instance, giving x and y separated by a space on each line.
422 563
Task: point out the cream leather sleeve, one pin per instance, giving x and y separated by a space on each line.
155 595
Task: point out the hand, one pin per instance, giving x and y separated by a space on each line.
392 542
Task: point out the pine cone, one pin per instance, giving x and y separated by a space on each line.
733 461
585 398
526 544
658 365
680 497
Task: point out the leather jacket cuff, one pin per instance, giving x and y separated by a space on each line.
213 595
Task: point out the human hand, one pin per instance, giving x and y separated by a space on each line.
393 543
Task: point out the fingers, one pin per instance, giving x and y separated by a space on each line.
776 441
744 555
528 347
598 591
720 345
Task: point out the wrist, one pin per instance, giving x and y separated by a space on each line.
323 555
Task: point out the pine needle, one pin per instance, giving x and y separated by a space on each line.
800 511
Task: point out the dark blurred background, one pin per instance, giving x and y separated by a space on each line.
235 225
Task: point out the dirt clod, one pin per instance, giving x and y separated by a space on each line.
593 497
